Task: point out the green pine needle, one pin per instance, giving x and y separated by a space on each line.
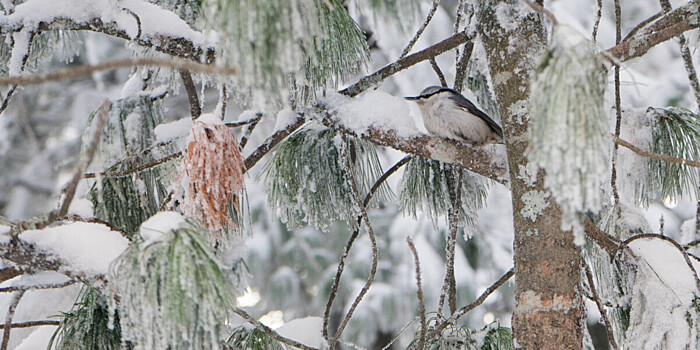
285 46
425 188
676 133
172 293
308 182
86 326
244 338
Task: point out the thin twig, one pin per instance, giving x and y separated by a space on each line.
6 100
618 104
413 41
392 68
480 300
438 71
597 20
245 122
6 328
660 157
29 324
195 108
134 170
41 286
249 130
351 241
372 238
599 303
272 141
79 170
419 293
138 22
71 73
461 73
627 242
274 335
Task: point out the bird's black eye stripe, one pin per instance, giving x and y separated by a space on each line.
437 92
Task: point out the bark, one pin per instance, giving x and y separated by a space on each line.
549 311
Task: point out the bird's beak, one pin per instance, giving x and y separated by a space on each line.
411 98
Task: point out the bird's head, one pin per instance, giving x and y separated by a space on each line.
429 93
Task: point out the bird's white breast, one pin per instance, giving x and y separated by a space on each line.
443 118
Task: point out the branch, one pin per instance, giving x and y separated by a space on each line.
601 309
269 331
480 300
377 77
421 306
41 286
626 243
33 324
82 71
8 319
168 43
195 108
134 170
669 26
660 157
413 41
372 239
255 119
604 240
351 241
272 141
477 160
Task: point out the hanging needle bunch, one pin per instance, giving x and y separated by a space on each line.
214 168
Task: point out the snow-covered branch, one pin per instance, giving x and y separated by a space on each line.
667 27
146 24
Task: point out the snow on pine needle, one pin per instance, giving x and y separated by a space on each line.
569 126
214 168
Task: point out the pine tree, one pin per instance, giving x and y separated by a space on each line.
235 167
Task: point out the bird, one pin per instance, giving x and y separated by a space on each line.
446 113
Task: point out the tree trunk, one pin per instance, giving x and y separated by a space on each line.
549 311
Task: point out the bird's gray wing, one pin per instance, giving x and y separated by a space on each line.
471 108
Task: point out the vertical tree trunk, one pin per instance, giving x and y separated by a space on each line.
549 310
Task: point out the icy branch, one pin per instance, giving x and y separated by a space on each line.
673 24
146 24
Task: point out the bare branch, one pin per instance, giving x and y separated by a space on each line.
33 324
618 104
599 303
413 41
195 108
438 71
8 319
421 306
82 71
134 170
604 240
660 157
79 170
377 77
249 131
272 141
255 119
372 239
41 286
627 242
480 300
269 331
669 26
597 20
351 241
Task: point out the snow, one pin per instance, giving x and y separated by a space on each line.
37 279
210 119
155 21
157 226
285 117
178 130
375 109
307 330
4 234
82 246
669 266
81 207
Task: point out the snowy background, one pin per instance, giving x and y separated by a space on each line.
291 271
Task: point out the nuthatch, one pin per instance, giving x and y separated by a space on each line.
448 114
